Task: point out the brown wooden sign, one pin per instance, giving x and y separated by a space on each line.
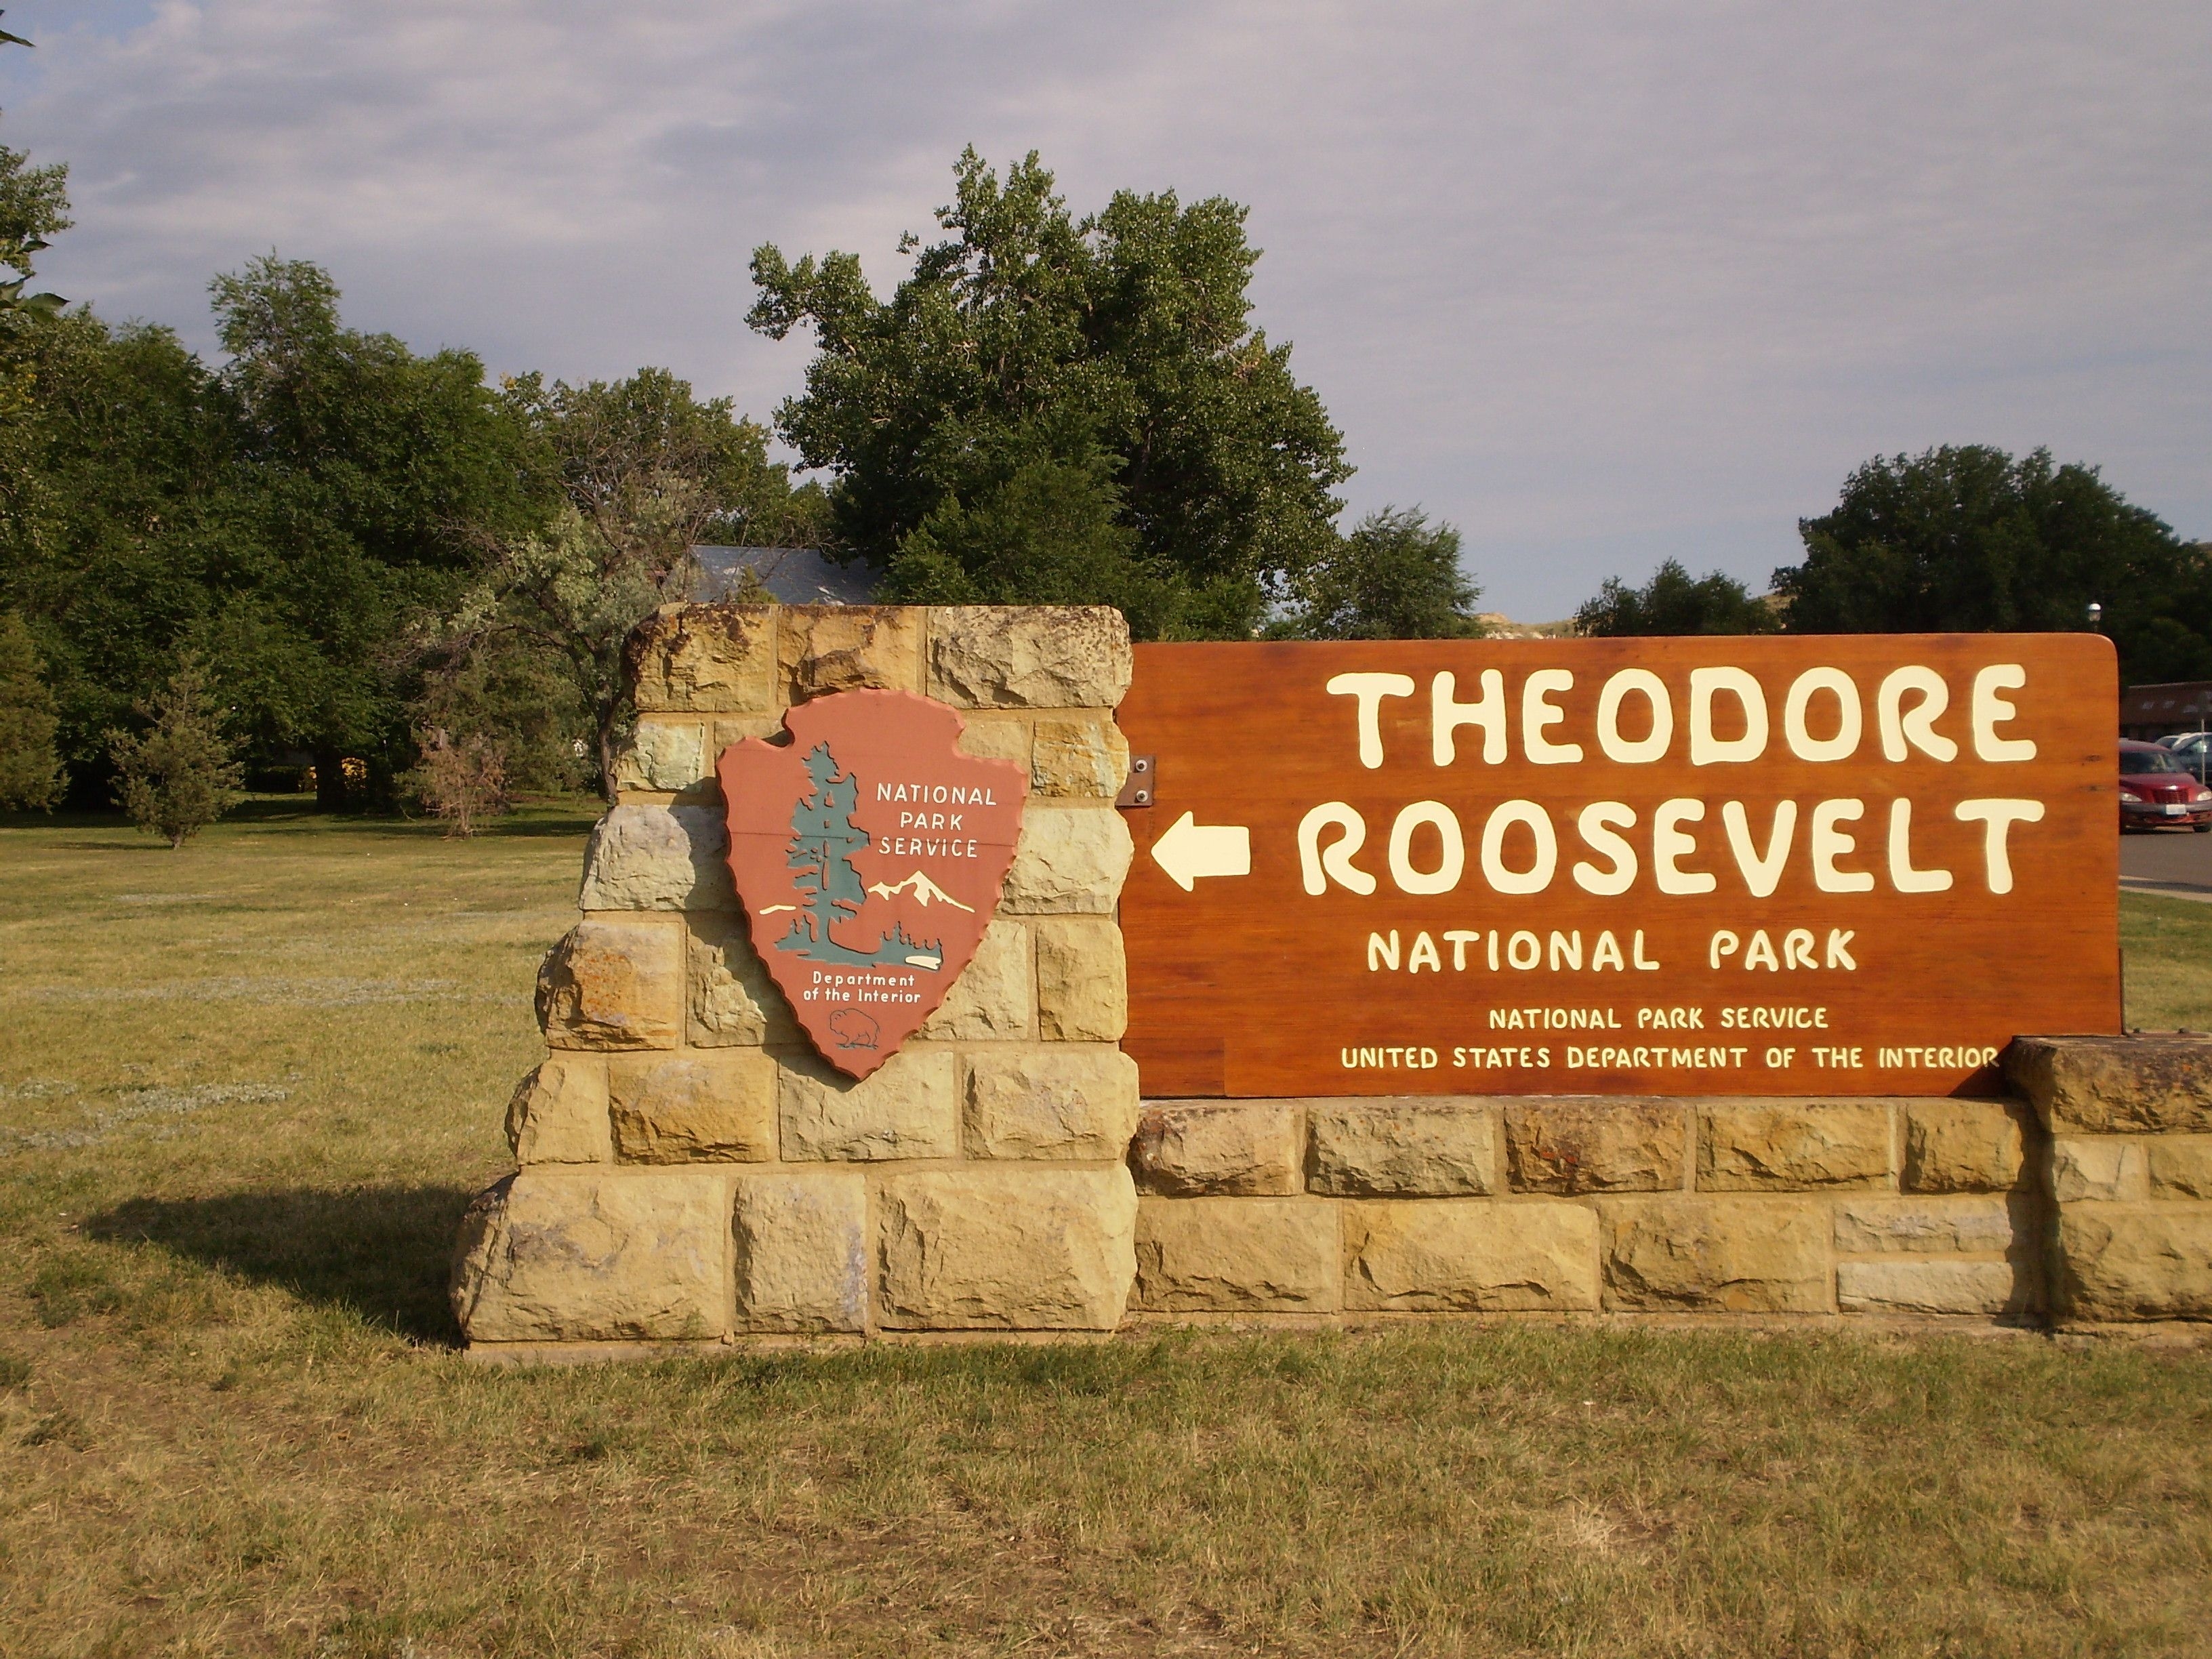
868 853
1730 865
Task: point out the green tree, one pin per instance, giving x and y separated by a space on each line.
177 777
1674 602
1396 576
1040 383
30 771
646 471
33 206
1969 540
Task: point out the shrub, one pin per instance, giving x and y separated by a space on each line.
30 770
177 777
460 781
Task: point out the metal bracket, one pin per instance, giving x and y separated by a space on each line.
1143 782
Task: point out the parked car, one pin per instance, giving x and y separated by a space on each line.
2158 789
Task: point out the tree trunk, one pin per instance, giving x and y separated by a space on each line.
330 779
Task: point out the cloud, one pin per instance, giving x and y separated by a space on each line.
1603 286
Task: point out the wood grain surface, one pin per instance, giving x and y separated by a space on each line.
1254 984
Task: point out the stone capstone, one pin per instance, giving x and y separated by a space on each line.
1964 1145
1401 1149
802 1258
2099 1169
1477 1256
2133 1262
997 737
906 1108
1002 1248
2116 1084
1932 1287
1962 1225
717 1108
658 857
663 756
1068 861
1080 758
1792 1148
1058 1101
568 1256
702 658
846 647
994 996
1738 1255
1206 1149
1034 657
1593 1144
729 999
1236 1255
612 985
1083 980
559 1112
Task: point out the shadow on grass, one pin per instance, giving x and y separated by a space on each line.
381 1253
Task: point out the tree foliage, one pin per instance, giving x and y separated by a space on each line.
1396 576
177 776
1051 407
30 770
1968 538
1674 602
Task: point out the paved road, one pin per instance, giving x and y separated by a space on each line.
2173 862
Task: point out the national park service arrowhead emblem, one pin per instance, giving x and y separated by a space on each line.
868 852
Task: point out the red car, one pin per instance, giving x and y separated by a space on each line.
2156 788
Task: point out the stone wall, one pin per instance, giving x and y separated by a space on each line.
1557 1204
689 1170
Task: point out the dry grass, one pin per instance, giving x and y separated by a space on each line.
248 1087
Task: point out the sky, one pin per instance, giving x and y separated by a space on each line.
1600 285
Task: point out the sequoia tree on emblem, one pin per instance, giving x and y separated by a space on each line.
868 853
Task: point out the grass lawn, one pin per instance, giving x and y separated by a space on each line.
246 1089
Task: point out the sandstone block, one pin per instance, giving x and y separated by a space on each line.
907 1108
2129 1261
1035 657
1001 1247
2098 1170
844 647
997 737
736 728
1237 1255
658 857
702 658
802 1259
1595 1144
665 756
559 1112
1066 1102
612 985
1932 1287
729 999
1792 1148
2181 1167
996 995
1401 1149
1068 861
570 1256
715 1107
2116 1084
1472 1256
1963 1225
1208 1149
1082 980
1964 1146
1080 758
1735 1255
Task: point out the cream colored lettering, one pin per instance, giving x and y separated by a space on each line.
1447 715
1538 876
1446 875
1848 718
1706 683
1595 824
1642 750
1915 725
1996 816
1369 690
1830 843
1762 872
1902 876
1670 843
1991 709
1319 866
1538 713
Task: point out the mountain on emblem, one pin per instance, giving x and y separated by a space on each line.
868 852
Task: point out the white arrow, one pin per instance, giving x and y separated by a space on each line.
1190 850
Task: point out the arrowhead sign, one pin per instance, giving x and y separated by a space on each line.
868 852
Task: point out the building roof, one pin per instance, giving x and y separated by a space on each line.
2172 708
